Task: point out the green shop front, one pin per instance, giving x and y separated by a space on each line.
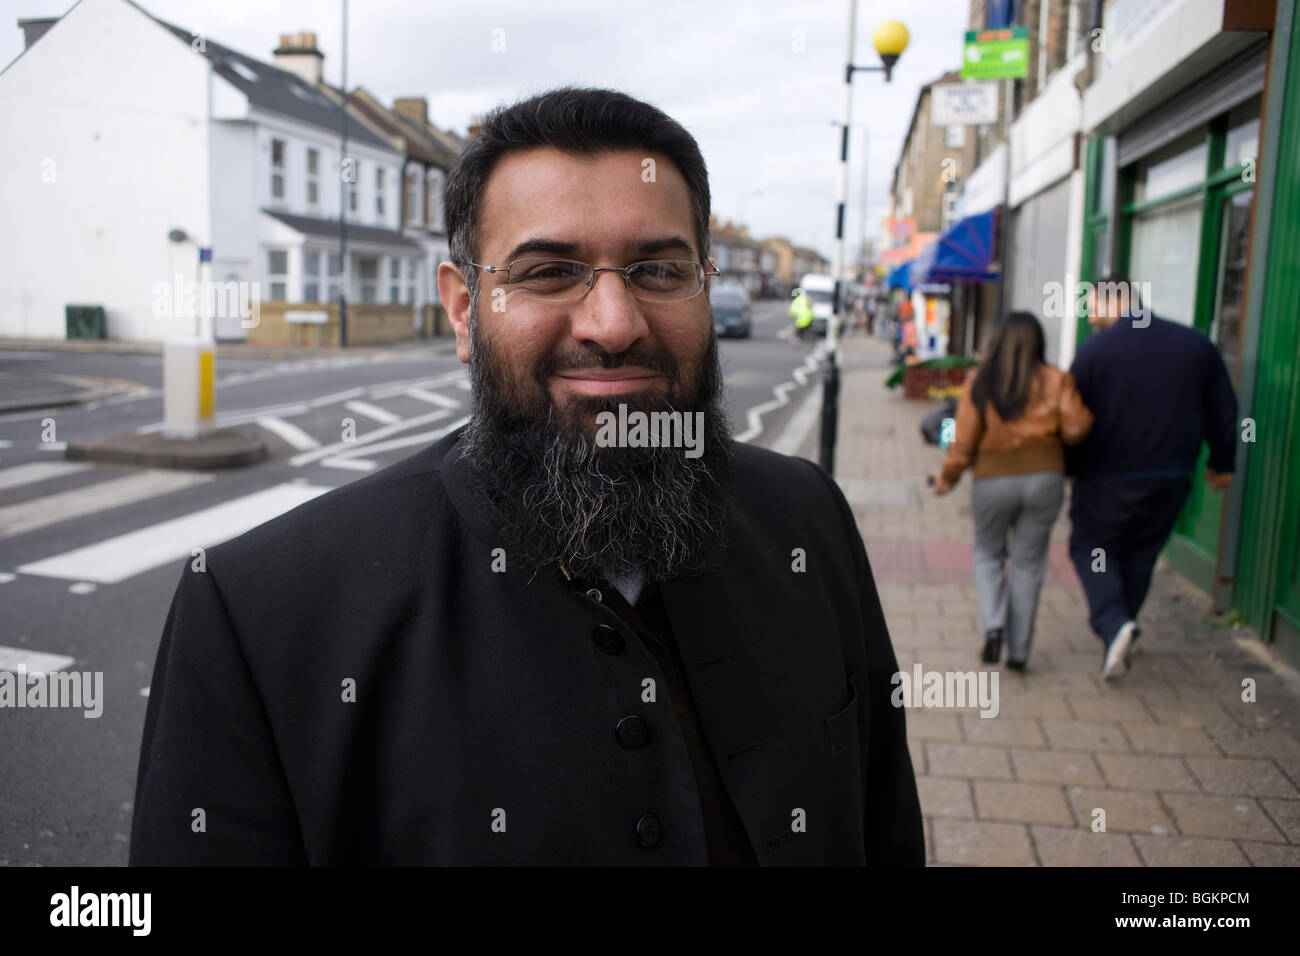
1190 198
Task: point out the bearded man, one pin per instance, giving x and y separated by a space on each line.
665 649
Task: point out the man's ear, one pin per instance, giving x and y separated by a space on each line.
455 299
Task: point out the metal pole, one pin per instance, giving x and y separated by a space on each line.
343 195
862 226
831 382
1004 227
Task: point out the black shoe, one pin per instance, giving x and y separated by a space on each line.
992 646
1015 665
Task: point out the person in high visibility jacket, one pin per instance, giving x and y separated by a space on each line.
802 311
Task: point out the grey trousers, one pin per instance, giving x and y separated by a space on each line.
1024 508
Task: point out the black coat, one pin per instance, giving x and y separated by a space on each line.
483 726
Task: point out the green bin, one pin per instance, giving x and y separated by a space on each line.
84 321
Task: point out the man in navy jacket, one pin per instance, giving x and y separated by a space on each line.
522 646
1157 390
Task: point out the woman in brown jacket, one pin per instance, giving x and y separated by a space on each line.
1014 418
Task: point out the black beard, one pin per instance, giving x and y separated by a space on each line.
557 496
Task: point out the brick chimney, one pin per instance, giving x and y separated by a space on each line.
297 54
413 108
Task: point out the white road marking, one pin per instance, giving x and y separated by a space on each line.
20 475
381 415
6 577
52 446
754 416
13 658
389 389
308 457
352 464
144 691
291 433
30 515
424 438
336 397
82 587
800 424
433 398
127 555
6 443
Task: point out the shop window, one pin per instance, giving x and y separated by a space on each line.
1242 141
1175 166
1165 252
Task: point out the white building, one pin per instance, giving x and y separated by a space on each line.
131 144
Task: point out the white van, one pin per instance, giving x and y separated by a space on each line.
820 288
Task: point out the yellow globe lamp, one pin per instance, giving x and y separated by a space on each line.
890 40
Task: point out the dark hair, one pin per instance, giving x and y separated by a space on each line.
1014 354
1123 287
583 122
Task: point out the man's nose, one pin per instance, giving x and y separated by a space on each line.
609 315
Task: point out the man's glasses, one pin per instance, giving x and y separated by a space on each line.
565 280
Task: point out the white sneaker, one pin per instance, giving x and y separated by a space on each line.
1115 664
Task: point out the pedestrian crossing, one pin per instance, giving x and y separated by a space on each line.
390 420
126 555
76 531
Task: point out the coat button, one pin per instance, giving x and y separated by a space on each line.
607 638
648 830
632 731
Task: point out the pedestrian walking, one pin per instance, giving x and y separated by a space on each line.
1014 417
1157 389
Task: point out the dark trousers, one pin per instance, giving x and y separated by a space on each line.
1130 521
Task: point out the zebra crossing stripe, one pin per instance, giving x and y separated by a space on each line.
64 506
35 471
16 659
127 555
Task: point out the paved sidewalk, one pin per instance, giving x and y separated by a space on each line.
1185 772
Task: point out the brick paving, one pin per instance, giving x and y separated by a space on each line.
1184 772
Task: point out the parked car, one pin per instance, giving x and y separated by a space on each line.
730 306
821 293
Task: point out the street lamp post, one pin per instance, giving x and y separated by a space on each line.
890 40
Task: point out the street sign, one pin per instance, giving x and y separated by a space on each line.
996 54
963 104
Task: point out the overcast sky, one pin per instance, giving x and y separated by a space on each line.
765 115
